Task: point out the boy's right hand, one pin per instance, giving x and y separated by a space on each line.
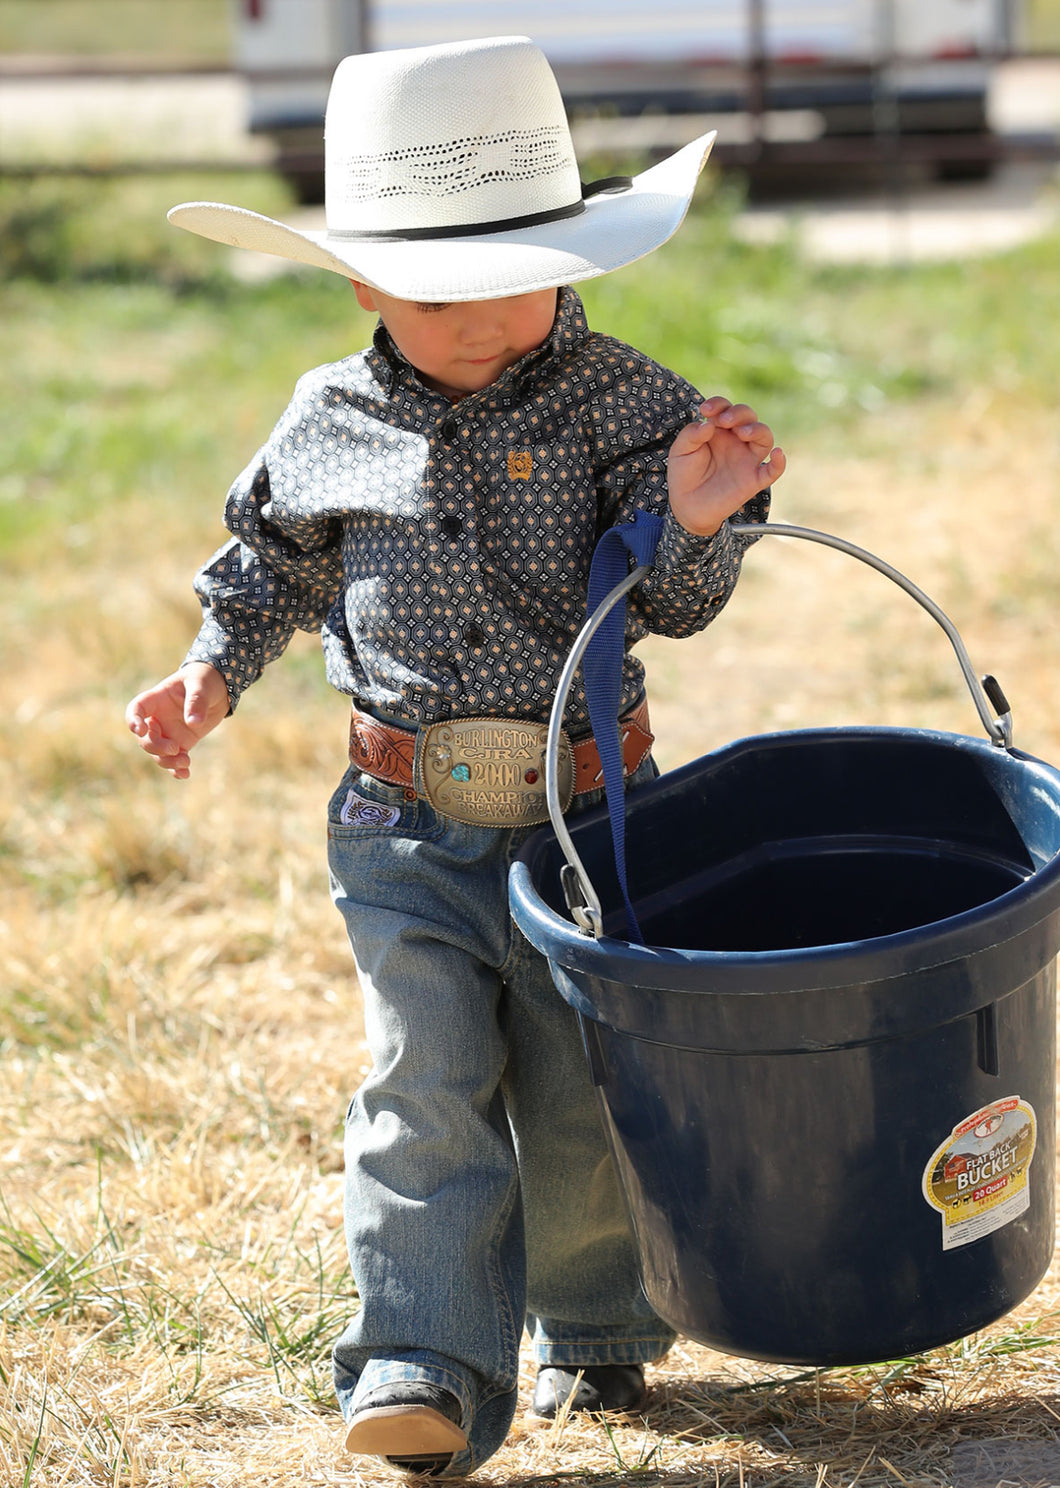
170 718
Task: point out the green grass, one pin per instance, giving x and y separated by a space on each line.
813 344
142 370
184 30
1041 24
112 325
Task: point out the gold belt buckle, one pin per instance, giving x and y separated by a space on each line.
490 772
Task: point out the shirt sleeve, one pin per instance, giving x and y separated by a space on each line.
692 576
278 574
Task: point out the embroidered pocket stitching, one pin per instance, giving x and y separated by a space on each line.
358 811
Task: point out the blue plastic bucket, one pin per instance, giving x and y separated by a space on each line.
827 1077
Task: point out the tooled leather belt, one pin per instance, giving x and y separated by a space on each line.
487 771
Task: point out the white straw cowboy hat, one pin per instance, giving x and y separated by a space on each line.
450 175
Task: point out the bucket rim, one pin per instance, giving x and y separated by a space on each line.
806 968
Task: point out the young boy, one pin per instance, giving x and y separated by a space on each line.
431 506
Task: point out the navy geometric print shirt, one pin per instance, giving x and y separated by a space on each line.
442 549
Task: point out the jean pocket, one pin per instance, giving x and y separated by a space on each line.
365 807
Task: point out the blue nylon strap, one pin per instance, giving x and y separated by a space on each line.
602 671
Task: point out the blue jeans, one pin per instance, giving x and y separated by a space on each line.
480 1195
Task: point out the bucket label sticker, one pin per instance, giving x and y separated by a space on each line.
978 1177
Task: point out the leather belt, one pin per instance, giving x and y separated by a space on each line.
493 749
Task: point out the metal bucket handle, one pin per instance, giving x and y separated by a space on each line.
582 899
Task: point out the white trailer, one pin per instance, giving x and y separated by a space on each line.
799 79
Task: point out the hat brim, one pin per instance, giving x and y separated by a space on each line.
613 230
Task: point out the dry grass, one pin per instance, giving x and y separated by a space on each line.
947 495
181 1028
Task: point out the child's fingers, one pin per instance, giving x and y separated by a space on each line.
729 415
155 741
774 466
196 707
178 765
692 437
714 413
713 407
720 414
759 436
136 718
737 418
167 753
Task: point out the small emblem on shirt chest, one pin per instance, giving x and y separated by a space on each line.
520 464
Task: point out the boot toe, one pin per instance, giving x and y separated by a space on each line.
600 1388
415 1427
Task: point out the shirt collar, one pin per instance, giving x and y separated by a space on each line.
390 368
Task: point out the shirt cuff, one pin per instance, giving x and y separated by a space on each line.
680 550
215 648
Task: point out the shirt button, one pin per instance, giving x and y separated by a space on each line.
449 426
452 526
474 635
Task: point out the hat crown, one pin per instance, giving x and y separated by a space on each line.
446 139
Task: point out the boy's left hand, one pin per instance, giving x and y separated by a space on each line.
718 463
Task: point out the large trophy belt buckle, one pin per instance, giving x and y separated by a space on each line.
490 772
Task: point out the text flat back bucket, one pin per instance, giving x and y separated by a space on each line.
828 1075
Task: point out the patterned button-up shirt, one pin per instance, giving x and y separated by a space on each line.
443 549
